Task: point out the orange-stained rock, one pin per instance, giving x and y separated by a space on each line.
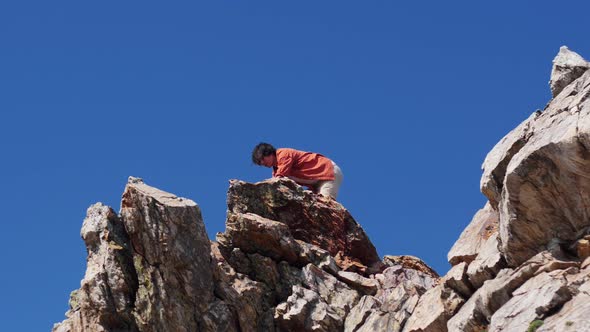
310 218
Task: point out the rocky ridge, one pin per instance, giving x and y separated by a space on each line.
293 261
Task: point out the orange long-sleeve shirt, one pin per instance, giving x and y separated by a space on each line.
303 165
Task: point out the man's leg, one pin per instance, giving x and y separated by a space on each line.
331 188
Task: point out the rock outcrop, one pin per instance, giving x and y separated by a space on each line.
540 184
289 260
529 272
148 269
310 218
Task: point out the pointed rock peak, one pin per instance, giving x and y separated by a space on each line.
567 67
567 58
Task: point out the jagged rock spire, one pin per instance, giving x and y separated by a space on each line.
567 67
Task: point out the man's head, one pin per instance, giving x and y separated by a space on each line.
264 154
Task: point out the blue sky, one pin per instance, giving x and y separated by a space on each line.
407 97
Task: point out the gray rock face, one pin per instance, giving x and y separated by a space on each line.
483 225
305 311
359 314
487 263
496 162
400 288
433 310
575 314
458 280
358 282
532 301
477 312
171 257
322 305
537 176
148 270
106 297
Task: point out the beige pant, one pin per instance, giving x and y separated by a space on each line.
330 188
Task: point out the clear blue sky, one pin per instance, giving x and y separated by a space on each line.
407 97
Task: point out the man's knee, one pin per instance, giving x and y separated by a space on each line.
328 188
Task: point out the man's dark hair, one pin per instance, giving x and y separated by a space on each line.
262 150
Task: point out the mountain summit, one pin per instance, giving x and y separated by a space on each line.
290 260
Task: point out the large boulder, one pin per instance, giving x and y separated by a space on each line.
537 176
310 218
171 257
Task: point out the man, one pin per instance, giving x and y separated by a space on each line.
309 169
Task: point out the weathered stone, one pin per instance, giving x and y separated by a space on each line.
310 218
304 310
239 261
148 270
483 225
496 162
472 315
334 292
410 262
574 315
289 276
219 318
254 234
105 299
399 293
321 306
248 298
171 257
457 280
487 263
358 282
567 67
309 253
264 270
537 176
476 313
251 233
380 321
433 310
361 311
402 285
532 301
397 275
